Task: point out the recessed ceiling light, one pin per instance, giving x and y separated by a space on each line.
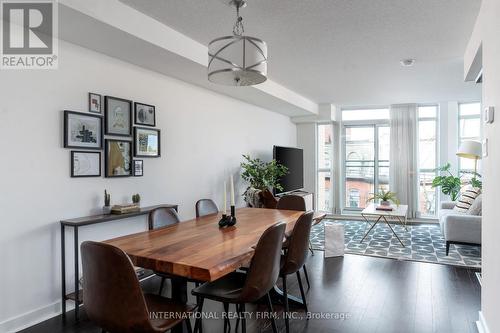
407 62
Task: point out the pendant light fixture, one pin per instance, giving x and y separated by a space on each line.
237 60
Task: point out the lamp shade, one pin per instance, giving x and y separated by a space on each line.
237 61
470 149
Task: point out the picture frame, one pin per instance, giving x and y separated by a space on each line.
118 116
85 163
147 142
144 114
138 168
95 103
82 130
117 158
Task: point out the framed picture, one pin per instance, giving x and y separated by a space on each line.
85 163
146 142
82 130
138 168
144 114
118 116
95 103
118 158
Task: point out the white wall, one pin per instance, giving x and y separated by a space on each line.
486 31
203 137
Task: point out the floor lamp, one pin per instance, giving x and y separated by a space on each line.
472 150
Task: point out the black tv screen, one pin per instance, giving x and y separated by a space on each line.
293 159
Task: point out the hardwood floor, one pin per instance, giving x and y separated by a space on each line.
376 294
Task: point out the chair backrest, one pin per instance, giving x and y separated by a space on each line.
265 266
111 291
162 217
206 207
298 244
292 202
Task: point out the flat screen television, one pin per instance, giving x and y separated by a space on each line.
293 159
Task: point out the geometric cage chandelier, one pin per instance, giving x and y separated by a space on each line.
237 60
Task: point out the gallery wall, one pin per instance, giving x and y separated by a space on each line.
203 135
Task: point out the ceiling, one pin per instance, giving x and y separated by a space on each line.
345 52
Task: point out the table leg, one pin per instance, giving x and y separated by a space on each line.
77 275
276 295
403 223
63 273
373 226
179 294
393 231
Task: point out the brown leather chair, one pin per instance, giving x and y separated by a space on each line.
114 299
295 257
160 218
206 207
240 288
295 202
291 202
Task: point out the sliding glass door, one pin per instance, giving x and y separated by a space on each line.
366 163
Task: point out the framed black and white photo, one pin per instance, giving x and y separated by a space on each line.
95 103
146 142
118 158
118 116
145 114
82 130
85 163
138 168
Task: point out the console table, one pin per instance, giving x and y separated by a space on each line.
76 223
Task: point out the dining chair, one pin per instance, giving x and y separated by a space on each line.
295 257
160 218
206 207
114 299
295 202
240 288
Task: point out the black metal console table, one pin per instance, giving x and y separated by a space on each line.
76 223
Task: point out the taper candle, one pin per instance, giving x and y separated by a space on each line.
225 198
232 191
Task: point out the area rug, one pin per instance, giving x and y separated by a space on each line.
423 242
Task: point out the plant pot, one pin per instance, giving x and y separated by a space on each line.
385 203
106 209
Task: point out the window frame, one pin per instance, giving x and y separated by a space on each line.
459 132
320 170
376 124
437 119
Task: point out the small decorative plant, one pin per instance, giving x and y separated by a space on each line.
385 198
136 198
451 184
107 199
262 175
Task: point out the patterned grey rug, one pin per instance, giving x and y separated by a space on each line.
422 243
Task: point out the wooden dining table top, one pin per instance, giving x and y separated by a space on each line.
198 249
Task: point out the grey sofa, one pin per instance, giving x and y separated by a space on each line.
459 228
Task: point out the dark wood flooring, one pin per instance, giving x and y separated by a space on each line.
376 295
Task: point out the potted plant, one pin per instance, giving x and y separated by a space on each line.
261 176
107 203
385 198
451 184
136 198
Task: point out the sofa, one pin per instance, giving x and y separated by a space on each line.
459 228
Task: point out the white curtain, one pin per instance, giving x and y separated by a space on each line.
403 161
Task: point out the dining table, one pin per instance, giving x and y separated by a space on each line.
198 249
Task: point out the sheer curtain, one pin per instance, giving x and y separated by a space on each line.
403 164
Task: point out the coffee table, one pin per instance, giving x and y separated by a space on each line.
399 213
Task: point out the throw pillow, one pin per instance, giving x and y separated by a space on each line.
466 199
477 206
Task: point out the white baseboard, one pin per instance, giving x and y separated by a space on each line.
31 318
482 327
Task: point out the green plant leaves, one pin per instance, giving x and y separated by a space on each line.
262 175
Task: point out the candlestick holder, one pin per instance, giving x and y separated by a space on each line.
232 218
224 221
